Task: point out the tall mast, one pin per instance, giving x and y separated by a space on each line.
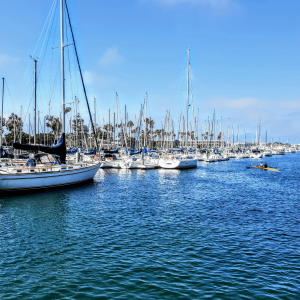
109 128
238 137
76 122
2 112
114 128
21 126
222 132
188 92
256 138
260 131
145 124
62 63
228 133
197 126
29 128
94 111
34 129
117 120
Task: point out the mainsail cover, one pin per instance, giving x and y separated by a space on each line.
59 149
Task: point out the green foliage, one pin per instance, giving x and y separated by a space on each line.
13 121
130 124
108 128
54 124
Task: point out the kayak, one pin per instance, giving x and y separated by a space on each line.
263 168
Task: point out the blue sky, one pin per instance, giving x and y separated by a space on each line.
244 58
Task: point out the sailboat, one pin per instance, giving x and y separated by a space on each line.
48 169
185 161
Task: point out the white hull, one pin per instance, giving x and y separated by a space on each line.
267 154
129 164
148 167
178 164
256 156
42 180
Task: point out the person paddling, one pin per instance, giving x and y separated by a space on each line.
261 165
265 165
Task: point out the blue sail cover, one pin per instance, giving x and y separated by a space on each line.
59 149
72 151
133 153
90 152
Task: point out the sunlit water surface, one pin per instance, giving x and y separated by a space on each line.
220 231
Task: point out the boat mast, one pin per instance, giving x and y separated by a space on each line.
34 129
117 120
188 92
2 112
238 137
21 126
62 63
256 137
145 123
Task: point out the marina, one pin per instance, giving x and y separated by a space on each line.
135 167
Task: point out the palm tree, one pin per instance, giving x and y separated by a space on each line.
130 125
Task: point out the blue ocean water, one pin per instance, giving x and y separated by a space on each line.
220 231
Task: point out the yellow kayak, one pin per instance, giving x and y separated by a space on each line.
263 168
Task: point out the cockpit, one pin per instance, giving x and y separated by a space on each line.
44 159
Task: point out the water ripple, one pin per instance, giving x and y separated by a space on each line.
219 231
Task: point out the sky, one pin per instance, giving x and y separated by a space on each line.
244 58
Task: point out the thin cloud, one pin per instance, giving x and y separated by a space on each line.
111 56
93 79
5 59
281 119
219 6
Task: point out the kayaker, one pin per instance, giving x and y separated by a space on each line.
261 164
265 165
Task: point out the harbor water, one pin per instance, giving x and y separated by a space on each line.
219 231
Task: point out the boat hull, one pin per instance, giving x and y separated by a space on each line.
38 181
178 164
263 168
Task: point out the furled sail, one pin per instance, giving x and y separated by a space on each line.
59 149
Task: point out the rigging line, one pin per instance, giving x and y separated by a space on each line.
87 102
176 96
32 80
43 28
42 61
192 102
54 35
33 52
76 79
69 60
50 22
54 83
12 102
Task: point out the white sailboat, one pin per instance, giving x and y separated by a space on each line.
176 162
48 170
185 161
